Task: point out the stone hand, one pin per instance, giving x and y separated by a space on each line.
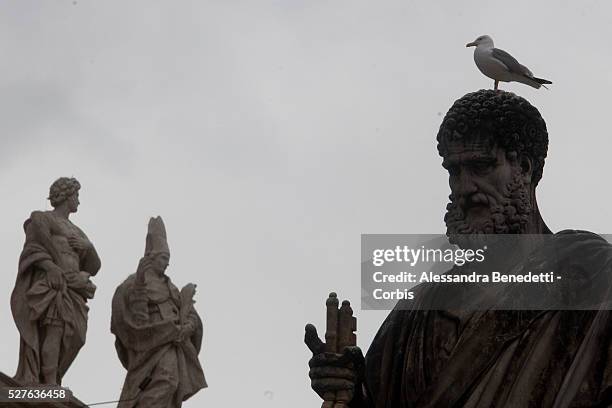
333 375
81 283
188 328
55 276
78 243
185 331
188 290
143 266
78 279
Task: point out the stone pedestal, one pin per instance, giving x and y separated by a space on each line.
8 382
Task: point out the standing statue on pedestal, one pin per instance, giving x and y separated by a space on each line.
158 332
49 301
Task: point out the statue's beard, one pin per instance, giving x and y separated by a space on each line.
507 215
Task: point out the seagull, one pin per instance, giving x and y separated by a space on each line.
499 65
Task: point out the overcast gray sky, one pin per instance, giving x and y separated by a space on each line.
270 135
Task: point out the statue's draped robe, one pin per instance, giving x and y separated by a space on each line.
501 358
34 303
149 350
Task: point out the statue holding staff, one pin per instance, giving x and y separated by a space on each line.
158 331
493 145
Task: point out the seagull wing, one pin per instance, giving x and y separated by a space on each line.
511 63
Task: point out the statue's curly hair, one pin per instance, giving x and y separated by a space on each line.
509 120
61 189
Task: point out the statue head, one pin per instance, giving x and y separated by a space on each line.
65 191
159 262
493 144
156 246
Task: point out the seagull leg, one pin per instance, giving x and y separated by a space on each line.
496 84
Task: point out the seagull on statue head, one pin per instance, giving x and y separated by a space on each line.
499 65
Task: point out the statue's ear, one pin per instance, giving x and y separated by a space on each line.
526 168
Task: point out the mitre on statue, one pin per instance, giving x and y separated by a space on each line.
156 236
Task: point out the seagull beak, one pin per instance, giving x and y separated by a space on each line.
472 44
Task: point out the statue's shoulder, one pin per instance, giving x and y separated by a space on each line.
580 245
129 281
580 236
171 284
126 284
38 217
175 292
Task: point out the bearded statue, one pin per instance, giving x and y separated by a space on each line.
493 145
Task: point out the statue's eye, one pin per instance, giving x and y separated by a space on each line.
481 167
